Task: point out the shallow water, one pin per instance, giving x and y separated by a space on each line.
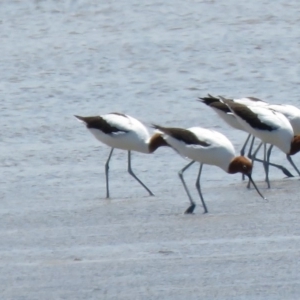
152 61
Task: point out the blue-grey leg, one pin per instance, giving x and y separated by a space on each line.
269 152
106 172
134 176
292 163
199 189
180 174
283 169
268 163
251 147
245 144
253 158
266 167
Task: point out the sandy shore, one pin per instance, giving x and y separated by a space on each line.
145 248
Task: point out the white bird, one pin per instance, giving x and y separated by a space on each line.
207 147
225 113
271 127
222 111
123 132
292 113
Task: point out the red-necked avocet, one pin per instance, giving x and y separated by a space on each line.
121 131
271 127
225 113
206 147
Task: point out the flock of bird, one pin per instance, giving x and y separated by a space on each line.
276 125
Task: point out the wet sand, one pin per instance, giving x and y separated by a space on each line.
145 248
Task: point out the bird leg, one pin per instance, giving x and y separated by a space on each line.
251 147
283 169
253 158
268 163
245 144
199 189
134 176
180 174
266 167
106 172
292 163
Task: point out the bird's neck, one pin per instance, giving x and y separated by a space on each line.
156 141
295 145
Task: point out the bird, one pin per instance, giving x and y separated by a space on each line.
121 131
271 127
205 146
218 105
226 115
292 113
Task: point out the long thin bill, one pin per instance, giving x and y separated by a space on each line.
250 178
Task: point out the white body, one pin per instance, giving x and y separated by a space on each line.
250 102
136 138
220 152
230 118
292 113
280 137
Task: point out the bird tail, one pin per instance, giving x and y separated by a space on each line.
165 130
81 119
158 127
209 99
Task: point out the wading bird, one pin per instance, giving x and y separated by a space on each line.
121 131
271 127
226 115
206 147
224 112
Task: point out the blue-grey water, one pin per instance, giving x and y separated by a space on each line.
60 238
